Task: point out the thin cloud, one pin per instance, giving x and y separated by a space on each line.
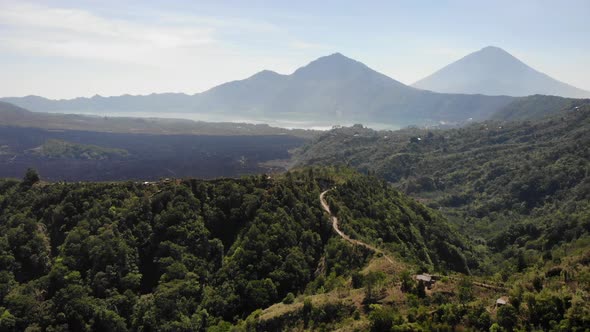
76 33
150 52
301 45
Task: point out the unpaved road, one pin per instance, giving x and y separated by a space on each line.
334 221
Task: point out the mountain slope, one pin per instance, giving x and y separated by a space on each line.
517 186
330 90
537 107
493 71
184 255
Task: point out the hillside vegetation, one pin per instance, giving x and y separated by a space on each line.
537 107
54 148
182 255
519 189
372 210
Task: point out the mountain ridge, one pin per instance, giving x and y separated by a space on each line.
330 90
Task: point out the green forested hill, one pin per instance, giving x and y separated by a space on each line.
521 189
537 107
372 210
184 255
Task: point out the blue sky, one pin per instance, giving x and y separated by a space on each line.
64 49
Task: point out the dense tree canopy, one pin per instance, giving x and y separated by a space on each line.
170 256
519 189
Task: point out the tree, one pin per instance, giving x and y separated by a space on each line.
384 318
7 320
507 317
373 285
465 290
420 289
290 298
407 282
31 177
479 318
357 279
260 293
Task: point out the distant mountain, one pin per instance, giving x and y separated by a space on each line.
493 71
330 90
8 109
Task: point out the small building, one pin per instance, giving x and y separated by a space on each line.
502 301
427 279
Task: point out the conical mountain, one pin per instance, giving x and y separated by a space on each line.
493 71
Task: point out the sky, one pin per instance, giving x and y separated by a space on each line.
80 48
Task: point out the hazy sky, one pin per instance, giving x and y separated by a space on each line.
67 48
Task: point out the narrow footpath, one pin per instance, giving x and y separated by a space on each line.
336 228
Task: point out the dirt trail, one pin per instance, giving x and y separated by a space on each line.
336 228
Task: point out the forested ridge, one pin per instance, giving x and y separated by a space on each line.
371 209
518 188
519 192
172 256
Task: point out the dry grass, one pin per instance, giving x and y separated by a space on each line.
338 295
381 264
345 295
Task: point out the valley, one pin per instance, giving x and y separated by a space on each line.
69 155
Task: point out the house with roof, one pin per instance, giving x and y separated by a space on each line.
427 279
501 301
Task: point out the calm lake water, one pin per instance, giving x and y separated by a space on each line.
289 124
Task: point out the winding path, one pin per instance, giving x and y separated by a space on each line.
334 221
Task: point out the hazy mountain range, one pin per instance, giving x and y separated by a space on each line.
493 71
330 90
